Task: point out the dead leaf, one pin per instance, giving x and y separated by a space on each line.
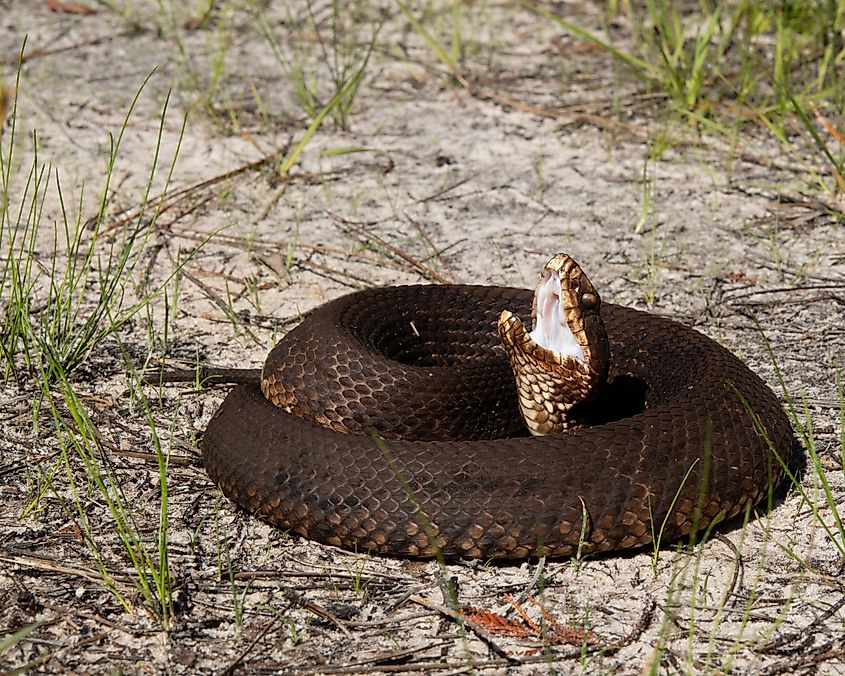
70 7
498 624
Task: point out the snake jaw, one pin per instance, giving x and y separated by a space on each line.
564 359
551 329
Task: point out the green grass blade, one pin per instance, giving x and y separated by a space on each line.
335 101
19 636
643 69
433 44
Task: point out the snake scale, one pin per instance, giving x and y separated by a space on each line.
672 444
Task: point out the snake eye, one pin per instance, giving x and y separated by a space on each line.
589 301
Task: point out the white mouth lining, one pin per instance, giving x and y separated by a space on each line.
551 330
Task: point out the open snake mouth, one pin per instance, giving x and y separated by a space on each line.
551 330
564 360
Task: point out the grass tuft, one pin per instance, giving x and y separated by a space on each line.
59 305
342 52
51 327
713 63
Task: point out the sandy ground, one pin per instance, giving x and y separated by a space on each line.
546 148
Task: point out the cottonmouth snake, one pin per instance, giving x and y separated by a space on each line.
671 445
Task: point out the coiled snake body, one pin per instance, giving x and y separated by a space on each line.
669 447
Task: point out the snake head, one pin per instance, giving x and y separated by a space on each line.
564 359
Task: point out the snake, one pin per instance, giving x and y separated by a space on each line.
427 420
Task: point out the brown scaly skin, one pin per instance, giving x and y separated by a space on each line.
549 384
423 366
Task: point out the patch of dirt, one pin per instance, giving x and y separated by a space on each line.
479 182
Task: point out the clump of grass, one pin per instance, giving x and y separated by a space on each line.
329 80
59 305
708 57
78 438
453 32
50 319
695 605
834 156
824 507
175 20
330 107
725 65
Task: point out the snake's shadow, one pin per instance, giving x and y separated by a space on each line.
622 397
